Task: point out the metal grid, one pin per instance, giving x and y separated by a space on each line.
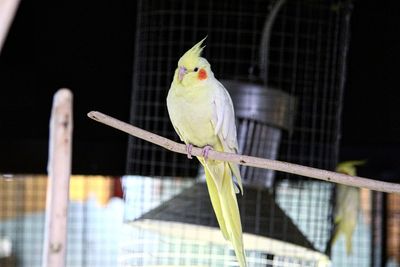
95 220
21 218
306 59
171 223
98 236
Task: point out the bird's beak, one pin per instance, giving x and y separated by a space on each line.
181 72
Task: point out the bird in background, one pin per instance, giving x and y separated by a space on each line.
347 206
202 113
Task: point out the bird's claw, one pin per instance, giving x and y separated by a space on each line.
205 151
189 151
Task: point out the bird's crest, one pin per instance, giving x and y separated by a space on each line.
349 167
192 55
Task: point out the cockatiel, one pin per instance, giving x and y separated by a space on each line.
347 206
202 114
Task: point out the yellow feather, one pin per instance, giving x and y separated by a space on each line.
347 206
230 210
192 55
349 167
223 198
215 201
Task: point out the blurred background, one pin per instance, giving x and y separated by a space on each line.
318 76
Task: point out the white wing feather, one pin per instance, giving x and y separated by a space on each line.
223 120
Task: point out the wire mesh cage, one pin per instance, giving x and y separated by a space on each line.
306 57
176 227
95 220
305 48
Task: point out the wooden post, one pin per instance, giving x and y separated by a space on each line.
59 172
7 12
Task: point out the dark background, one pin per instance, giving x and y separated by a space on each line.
88 46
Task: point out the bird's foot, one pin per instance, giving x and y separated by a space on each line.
205 151
189 151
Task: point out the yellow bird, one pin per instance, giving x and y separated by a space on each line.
347 206
202 114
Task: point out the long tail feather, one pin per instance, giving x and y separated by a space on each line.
231 209
223 199
215 201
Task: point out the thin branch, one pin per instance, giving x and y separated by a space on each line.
248 160
7 13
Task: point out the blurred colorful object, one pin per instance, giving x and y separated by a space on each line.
393 227
27 193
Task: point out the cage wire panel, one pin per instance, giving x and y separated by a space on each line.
95 219
306 62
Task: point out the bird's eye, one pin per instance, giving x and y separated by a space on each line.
196 69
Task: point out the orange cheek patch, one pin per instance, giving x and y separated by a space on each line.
202 74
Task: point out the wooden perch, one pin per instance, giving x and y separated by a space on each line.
59 170
7 13
248 160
